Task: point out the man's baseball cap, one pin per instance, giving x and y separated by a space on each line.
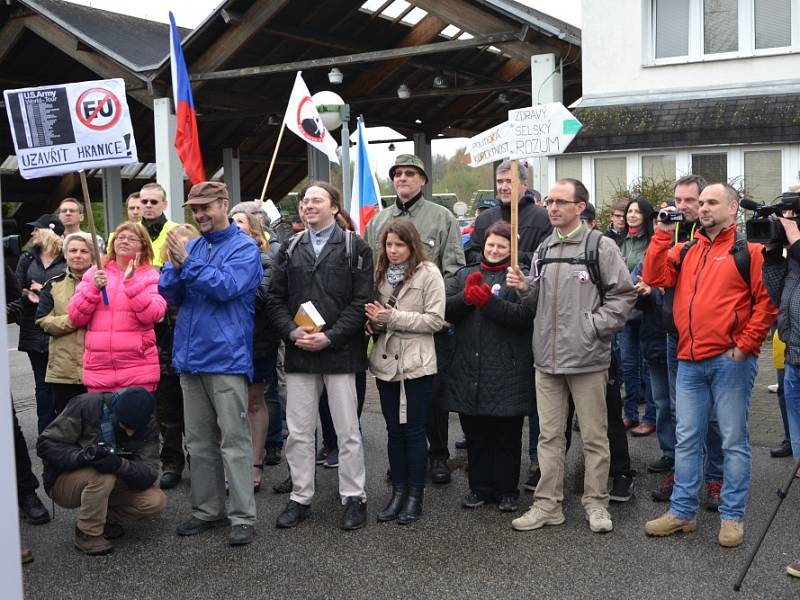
48 222
207 191
408 160
486 203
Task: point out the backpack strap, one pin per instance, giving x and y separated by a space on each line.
293 244
741 256
590 259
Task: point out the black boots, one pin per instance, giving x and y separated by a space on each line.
412 508
392 509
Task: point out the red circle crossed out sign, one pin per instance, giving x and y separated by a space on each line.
98 109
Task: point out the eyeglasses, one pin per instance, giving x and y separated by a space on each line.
150 201
618 216
127 238
548 202
404 173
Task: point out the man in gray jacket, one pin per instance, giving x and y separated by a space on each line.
582 293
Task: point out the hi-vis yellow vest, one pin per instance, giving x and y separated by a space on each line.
160 242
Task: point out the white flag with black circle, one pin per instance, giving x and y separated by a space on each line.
302 118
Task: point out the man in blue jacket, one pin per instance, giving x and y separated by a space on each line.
213 280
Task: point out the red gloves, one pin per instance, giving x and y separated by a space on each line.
476 292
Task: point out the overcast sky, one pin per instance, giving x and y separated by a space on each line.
190 13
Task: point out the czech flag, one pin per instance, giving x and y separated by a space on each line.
187 142
365 200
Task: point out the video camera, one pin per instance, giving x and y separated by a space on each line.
764 228
671 216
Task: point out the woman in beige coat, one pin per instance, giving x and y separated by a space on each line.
408 310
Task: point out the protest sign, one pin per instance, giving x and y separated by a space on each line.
65 128
542 130
491 145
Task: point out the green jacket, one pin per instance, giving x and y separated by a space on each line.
65 359
437 227
633 248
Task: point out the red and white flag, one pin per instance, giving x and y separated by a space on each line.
302 118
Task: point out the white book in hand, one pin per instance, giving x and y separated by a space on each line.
309 318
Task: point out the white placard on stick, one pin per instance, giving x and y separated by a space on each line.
64 128
491 145
542 130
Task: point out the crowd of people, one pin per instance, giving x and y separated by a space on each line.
178 346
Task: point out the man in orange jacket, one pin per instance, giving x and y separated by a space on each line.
722 321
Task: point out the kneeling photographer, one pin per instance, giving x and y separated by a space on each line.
100 456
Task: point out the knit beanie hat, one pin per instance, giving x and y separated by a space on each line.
133 407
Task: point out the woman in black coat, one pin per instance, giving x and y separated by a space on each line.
490 378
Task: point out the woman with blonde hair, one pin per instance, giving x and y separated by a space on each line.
65 362
265 344
42 261
120 341
408 309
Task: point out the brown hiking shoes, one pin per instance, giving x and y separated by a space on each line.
93 545
667 524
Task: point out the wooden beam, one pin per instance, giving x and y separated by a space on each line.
520 86
470 17
351 59
218 53
425 31
9 35
104 67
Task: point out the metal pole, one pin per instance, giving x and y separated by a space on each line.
344 112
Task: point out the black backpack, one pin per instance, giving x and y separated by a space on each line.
741 256
590 259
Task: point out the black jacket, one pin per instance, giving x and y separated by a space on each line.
29 269
13 293
685 233
534 227
339 291
78 426
652 335
265 337
491 368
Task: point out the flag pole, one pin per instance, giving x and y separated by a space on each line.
272 162
89 215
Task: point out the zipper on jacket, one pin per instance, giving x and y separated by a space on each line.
694 295
555 302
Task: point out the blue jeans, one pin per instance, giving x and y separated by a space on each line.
791 391
407 448
635 377
782 403
665 408
715 386
277 414
713 449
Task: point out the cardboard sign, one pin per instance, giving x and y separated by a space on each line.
491 145
65 128
542 130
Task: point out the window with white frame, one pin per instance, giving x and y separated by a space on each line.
762 174
609 177
659 167
693 30
569 167
712 166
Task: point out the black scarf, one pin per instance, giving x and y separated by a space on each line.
155 226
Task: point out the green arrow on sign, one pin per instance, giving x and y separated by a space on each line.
572 126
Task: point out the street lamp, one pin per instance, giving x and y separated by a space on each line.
334 113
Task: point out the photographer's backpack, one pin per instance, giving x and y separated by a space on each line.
741 256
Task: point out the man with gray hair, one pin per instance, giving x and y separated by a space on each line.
534 225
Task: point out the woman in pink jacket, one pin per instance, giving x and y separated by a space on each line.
120 341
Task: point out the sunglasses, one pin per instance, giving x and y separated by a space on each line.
150 202
403 173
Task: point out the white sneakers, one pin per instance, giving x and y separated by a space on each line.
536 518
599 520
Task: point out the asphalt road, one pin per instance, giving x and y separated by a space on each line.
450 553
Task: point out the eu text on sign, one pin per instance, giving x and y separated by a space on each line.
60 129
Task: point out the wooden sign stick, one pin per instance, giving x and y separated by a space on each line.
87 203
514 213
272 162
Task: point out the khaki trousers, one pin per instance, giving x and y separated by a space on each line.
302 405
103 498
552 398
